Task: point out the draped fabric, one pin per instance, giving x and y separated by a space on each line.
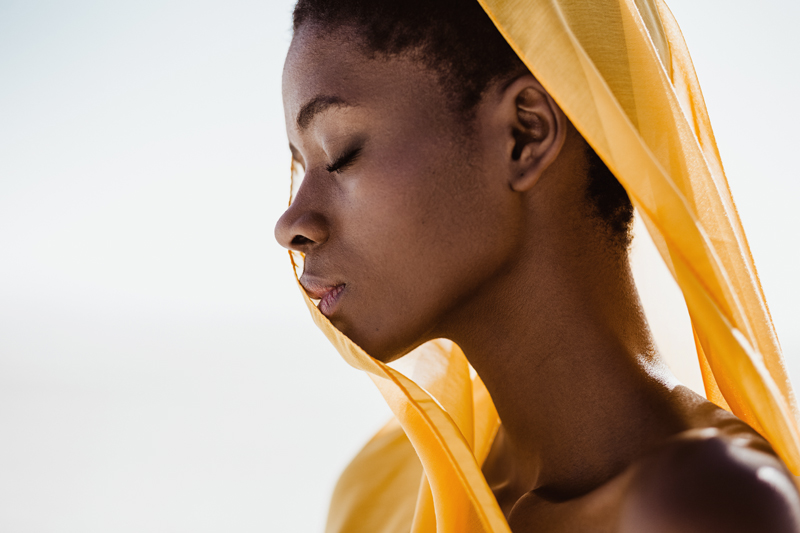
621 72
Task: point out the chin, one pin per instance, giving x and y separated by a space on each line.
385 334
385 348
381 350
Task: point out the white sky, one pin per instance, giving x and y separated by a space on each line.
158 370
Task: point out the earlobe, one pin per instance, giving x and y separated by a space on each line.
539 131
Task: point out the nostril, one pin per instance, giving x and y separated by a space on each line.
299 240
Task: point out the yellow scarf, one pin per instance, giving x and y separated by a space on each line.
621 72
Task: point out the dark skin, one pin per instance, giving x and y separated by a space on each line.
419 221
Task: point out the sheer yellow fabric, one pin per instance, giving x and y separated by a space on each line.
621 72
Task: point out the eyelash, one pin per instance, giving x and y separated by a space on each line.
344 161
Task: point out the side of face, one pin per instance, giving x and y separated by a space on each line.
403 215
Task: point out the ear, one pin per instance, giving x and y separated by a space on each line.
538 129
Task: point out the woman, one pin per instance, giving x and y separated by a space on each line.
457 186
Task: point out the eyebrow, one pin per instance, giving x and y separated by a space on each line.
315 106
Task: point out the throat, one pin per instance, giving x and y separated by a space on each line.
564 349
574 420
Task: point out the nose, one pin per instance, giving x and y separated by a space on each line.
301 227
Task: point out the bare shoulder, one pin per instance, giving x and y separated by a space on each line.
708 480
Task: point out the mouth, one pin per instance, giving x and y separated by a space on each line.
327 295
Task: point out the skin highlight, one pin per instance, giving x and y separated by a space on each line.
419 223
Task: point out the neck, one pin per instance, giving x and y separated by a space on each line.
563 347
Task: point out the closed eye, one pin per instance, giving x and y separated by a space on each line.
344 160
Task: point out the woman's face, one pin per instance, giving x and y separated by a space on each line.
400 218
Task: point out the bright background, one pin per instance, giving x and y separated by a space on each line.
158 371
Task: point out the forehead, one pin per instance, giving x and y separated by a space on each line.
335 64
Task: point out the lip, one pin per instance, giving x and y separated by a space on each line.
327 294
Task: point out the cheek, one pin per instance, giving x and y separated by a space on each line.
427 234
